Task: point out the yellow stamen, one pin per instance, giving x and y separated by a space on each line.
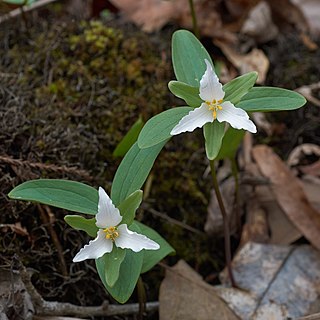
111 233
214 105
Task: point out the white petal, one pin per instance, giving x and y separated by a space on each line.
237 117
134 241
196 118
95 249
108 215
210 87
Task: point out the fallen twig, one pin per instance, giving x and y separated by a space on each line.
49 167
53 308
16 12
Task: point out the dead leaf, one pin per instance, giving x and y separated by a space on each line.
15 301
301 151
289 193
307 92
17 228
255 60
256 227
214 222
312 169
262 122
279 282
259 24
311 11
184 295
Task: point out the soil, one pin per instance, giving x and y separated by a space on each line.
69 92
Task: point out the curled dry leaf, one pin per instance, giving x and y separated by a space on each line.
255 60
289 193
184 295
299 152
275 282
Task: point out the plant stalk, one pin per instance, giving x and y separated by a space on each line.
227 246
194 19
235 173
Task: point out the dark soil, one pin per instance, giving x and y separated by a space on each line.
69 92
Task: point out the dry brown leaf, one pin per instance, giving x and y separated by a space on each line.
152 15
17 228
307 92
259 24
277 282
312 169
256 226
262 122
311 11
255 60
302 150
289 193
184 295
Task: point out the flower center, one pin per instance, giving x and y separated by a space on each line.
214 106
111 233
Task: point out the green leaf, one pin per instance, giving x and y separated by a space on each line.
83 224
129 273
230 143
133 171
213 134
129 139
129 206
112 262
69 195
188 93
152 257
158 128
188 55
238 87
20 2
271 99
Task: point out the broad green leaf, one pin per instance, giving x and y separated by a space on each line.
83 224
69 195
158 128
230 143
133 171
112 262
129 139
213 134
129 273
188 55
20 2
271 99
129 206
238 87
188 93
152 257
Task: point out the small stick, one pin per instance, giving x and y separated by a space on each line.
17 12
45 217
54 308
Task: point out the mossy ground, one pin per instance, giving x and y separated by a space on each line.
69 92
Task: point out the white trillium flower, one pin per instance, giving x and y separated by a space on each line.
111 232
213 107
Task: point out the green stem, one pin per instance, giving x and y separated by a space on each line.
227 246
235 174
194 19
